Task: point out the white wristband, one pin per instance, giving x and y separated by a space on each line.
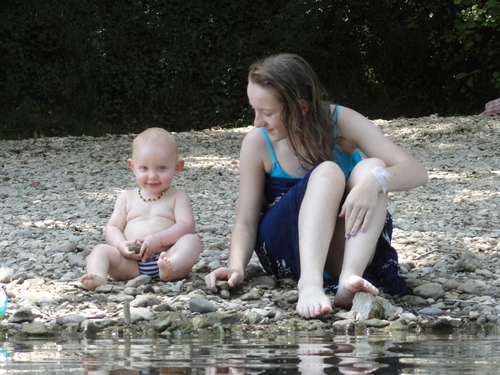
382 177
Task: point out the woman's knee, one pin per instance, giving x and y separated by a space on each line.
330 173
362 169
366 165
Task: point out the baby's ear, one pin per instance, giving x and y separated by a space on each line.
179 166
130 163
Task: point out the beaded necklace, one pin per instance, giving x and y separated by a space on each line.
152 199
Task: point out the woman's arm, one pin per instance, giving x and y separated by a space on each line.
391 169
244 233
405 172
251 189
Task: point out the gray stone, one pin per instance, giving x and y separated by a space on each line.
430 290
253 270
470 286
131 291
106 288
19 276
68 247
37 329
345 327
368 306
251 296
431 311
72 318
468 262
225 294
265 282
398 325
145 300
76 260
254 317
377 323
139 313
163 307
88 326
6 275
201 305
22 315
163 325
138 281
222 285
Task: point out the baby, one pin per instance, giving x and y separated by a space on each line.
151 230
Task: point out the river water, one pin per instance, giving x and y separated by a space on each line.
256 353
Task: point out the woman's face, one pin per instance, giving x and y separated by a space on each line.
267 110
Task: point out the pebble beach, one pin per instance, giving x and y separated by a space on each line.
58 193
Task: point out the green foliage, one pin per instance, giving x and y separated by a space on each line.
467 43
91 67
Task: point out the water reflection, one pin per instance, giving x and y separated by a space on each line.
256 354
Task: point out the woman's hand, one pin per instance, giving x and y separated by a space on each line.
233 277
358 207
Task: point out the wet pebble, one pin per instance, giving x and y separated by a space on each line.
22 315
201 305
38 329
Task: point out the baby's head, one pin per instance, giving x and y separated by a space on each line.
155 138
155 159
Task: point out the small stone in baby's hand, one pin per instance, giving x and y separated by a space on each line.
135 247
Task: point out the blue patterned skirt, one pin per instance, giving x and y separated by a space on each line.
278 239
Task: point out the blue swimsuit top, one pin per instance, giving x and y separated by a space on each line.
345 161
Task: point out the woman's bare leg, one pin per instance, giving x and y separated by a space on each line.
317 218
360 248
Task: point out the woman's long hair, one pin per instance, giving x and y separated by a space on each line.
291 79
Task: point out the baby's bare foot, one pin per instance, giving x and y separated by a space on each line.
347 290
91 281
313 302
165 266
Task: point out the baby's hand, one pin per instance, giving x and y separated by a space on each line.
127 249
150 246
135 247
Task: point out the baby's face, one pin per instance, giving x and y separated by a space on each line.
154 165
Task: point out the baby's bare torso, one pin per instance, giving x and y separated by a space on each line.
144 218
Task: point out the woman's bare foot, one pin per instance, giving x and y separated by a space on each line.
313 302
91 281
166 267
347 290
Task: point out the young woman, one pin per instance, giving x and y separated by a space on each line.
309 205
